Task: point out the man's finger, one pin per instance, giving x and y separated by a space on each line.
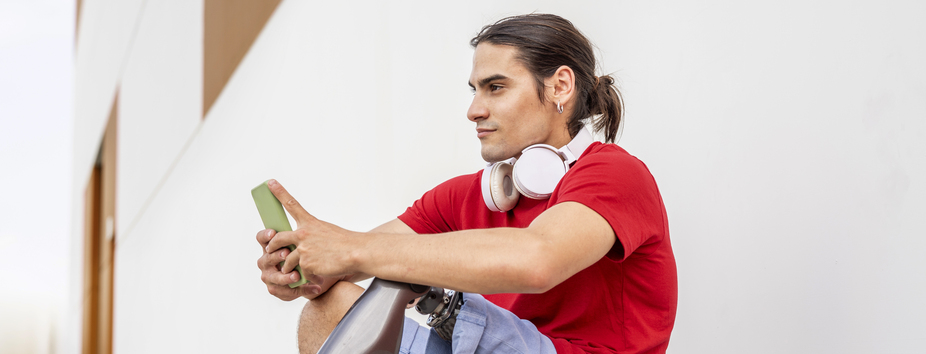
289 203
279 278
280 240
291 262
270 260
264 237
310 290
283 292
265 262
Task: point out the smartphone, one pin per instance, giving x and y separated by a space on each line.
274 217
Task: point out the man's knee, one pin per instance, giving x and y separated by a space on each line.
333 304
322 314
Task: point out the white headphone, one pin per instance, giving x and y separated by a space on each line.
535 174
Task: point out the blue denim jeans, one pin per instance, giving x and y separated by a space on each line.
482 327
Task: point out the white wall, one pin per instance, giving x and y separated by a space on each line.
160 101
36 95
787 139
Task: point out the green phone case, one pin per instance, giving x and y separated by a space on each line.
274 217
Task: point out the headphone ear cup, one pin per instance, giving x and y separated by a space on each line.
538 171
498 190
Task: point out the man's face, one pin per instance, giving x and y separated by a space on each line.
509 115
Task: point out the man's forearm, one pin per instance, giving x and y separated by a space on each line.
481 261
394 226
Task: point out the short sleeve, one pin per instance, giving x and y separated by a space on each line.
437 211
621 189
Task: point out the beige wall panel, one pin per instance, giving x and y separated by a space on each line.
77 7
230 27
160 101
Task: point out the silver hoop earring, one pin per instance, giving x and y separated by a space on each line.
559 107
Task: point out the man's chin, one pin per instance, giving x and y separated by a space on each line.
495 156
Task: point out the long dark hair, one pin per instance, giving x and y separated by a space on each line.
545 42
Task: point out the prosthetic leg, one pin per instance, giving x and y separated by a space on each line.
375 322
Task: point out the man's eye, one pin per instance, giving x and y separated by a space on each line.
495 87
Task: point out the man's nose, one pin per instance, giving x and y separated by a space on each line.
477 110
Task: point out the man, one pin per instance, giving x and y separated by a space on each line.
587 268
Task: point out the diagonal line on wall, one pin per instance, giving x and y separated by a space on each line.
157 188
131 45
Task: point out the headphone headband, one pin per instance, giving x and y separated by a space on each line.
577 146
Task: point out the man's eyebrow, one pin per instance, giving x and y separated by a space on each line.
487 80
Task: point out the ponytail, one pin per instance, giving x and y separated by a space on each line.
606 102
602 104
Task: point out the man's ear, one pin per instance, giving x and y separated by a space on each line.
561 86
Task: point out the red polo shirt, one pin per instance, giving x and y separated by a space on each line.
625 302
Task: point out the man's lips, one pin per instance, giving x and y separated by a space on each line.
482 132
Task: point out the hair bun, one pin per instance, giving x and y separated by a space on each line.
606 79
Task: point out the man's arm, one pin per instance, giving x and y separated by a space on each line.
559 243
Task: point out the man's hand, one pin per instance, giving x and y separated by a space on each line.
278 282
317 242
321 248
